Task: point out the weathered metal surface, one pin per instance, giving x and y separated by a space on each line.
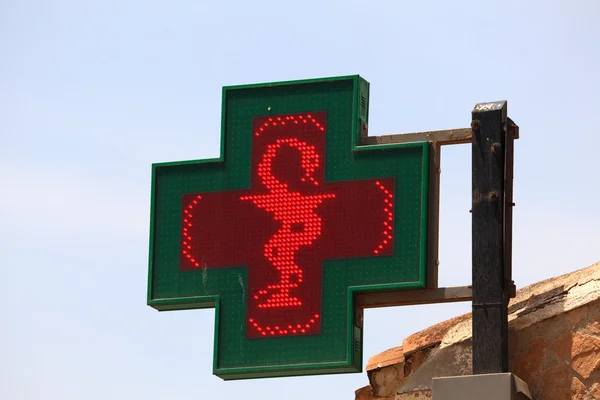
511 131
433 221
413 297
489 184
441 138
514 128
445 137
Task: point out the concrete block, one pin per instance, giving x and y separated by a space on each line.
504 386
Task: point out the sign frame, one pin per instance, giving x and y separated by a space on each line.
379 294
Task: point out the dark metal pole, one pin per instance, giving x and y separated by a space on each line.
492 194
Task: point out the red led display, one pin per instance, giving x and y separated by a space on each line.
286 224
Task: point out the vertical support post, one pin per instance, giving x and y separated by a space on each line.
433 219
491 291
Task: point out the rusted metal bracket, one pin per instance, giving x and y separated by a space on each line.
409 298
436 139
449 136
413 297
441 138
433 294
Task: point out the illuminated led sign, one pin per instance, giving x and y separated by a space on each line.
289 223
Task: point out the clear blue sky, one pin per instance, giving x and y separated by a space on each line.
93 92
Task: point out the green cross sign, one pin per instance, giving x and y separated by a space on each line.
291 221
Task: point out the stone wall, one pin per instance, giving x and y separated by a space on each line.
554 345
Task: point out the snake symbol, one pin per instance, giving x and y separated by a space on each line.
300 224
